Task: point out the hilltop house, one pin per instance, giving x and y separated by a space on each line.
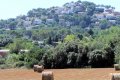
99 16
37 21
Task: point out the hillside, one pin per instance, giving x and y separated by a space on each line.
77 35
81 13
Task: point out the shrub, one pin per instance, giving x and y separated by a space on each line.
19 64
97 58
5 66
31 63
2 61
71 59
12 58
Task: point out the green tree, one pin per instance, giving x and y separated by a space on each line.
69 38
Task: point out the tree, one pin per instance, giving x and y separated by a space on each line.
72 56
69 38
91 32
60 57
118 21
80 36
12 25
49 40
90 7
104 24
19 44
97 58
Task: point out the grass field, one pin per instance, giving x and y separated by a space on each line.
59 74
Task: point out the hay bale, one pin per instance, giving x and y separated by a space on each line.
47 75
35 68
40 68
115 76
116 66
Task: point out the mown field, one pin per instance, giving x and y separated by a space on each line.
59 74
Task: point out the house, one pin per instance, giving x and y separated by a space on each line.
99 16
4 52
50 21
117 14
55 43
27 19
113 22
81 13
80 8
59 10
23 51
27 23
109 10
8 29
110 17
68 23
62 22
99 9
38 42
37 21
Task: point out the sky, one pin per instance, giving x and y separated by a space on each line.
13 8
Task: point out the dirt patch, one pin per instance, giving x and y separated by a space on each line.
59 74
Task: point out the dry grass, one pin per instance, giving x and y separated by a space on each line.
59 74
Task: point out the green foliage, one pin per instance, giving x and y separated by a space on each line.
2 61
36 53
104 24
97 58
69 38
19 44
11 58
72 56
19 64
117 53
30 63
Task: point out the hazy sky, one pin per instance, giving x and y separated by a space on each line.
13 8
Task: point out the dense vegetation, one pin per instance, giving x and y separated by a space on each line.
77 43
99 49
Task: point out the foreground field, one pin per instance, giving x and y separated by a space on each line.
59 74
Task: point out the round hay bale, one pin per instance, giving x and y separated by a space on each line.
116 66
47 75
40 68
35 68
115 76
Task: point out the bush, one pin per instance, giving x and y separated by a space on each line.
2 61
12 58
117 53
72 56
60 57
19 64
31 63
5 66
97 58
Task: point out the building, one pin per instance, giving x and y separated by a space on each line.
37 21
100 16
4 52
23 51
